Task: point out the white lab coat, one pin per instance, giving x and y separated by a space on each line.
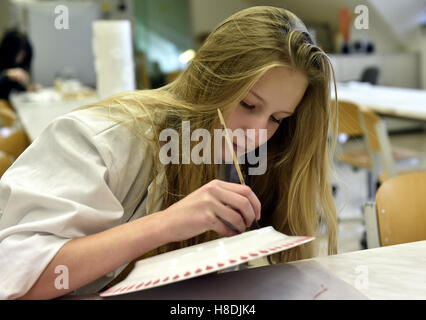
76 179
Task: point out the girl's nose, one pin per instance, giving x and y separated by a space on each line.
258 122
256 132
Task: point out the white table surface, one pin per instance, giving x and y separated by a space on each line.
392 101
36 110
388 273
391 272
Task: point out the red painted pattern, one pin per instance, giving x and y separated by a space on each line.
209 267
139 285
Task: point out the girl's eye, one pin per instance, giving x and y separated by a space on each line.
247 106
275 120
251 107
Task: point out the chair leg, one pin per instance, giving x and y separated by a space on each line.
363 241
334 189
371 185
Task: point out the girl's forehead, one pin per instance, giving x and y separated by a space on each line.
280 88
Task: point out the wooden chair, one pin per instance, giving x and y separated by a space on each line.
13 141
8 116
350 125
5 162
6 104
399 213
378 157
386 156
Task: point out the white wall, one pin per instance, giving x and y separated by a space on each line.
418 46
55 49
399 67
207 14
4 16
422 50
396 70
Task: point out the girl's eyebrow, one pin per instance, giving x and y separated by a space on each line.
263 100
257 96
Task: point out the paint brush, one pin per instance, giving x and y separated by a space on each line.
234 158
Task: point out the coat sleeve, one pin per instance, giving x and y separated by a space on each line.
60 188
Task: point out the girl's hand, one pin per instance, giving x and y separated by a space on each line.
211 207
18 75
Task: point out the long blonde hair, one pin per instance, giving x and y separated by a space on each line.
295 192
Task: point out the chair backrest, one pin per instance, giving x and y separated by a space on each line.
7 116
13 141
401 209
355 120
378 141
5 162
349 118
370 75
6 104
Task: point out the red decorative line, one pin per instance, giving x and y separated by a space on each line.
210 267
165 279
176 277
263 251
156 281
148 283
198 270
232 261
187 274
320 293
130 287
243 258
253 254
139 285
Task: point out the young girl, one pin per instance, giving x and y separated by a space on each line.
98 197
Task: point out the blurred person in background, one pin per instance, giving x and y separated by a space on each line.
15 63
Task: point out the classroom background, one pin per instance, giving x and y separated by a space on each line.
82 51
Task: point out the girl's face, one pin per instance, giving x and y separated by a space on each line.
273 98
